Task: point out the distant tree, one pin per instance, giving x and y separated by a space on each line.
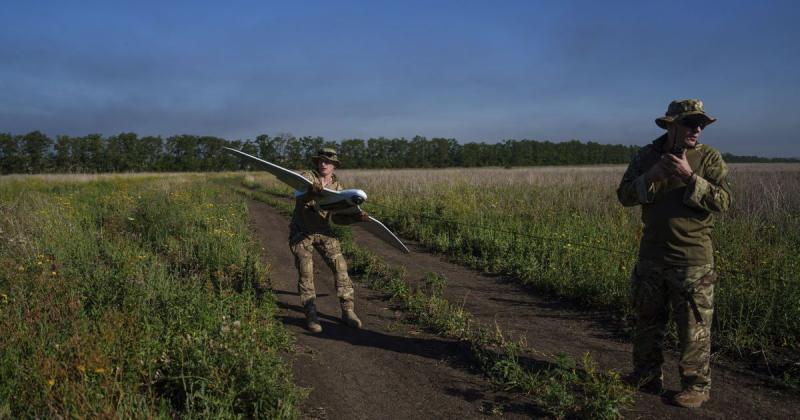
309 147
36 152
183 153
151 149
442 152
398 149
64 160
124 152
10 154
209 153
91 153
295 154
418 153
353 153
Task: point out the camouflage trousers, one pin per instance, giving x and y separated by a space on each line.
302 247
689 291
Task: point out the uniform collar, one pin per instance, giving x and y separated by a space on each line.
317 174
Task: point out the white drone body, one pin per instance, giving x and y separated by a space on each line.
336 202
339 201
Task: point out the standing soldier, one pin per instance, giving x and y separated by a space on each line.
680 184
310 228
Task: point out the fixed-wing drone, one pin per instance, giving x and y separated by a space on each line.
339 202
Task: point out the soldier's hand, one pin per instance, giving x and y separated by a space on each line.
657 172
315 188
363 217
678 166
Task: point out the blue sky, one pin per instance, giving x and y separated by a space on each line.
474 71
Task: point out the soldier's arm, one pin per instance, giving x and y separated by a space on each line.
711 192
313 189
348 219
634 188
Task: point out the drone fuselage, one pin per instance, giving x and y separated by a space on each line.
338 200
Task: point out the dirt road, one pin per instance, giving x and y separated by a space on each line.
392 370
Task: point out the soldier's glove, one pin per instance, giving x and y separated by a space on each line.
363 217
315 189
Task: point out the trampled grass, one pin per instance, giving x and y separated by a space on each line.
561 230
134 297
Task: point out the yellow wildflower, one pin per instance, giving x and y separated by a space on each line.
51 382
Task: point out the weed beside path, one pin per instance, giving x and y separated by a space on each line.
135 297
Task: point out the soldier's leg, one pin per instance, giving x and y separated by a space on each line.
302 249
649 296
332 253
692 298
330 249
304 262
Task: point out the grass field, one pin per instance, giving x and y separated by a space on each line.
135 296
561 230
140 295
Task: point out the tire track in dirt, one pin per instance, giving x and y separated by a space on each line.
367 374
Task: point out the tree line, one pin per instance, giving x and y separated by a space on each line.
35 152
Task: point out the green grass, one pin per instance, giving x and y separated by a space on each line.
135 297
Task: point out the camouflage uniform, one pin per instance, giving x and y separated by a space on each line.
676 262
309 229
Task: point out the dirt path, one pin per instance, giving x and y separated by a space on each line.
390 370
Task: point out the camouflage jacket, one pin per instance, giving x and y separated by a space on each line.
678 217
308 218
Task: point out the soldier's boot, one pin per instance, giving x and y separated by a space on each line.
312 322
653 384
691 398
350 318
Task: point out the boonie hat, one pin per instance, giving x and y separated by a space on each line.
681 109
328 154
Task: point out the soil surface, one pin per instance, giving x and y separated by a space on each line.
391 370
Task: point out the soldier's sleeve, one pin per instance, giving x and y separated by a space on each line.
711 192
309 176
633 189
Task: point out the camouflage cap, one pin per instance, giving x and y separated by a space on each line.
679 110
328 154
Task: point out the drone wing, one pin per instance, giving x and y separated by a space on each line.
299 183
291 178
375 227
